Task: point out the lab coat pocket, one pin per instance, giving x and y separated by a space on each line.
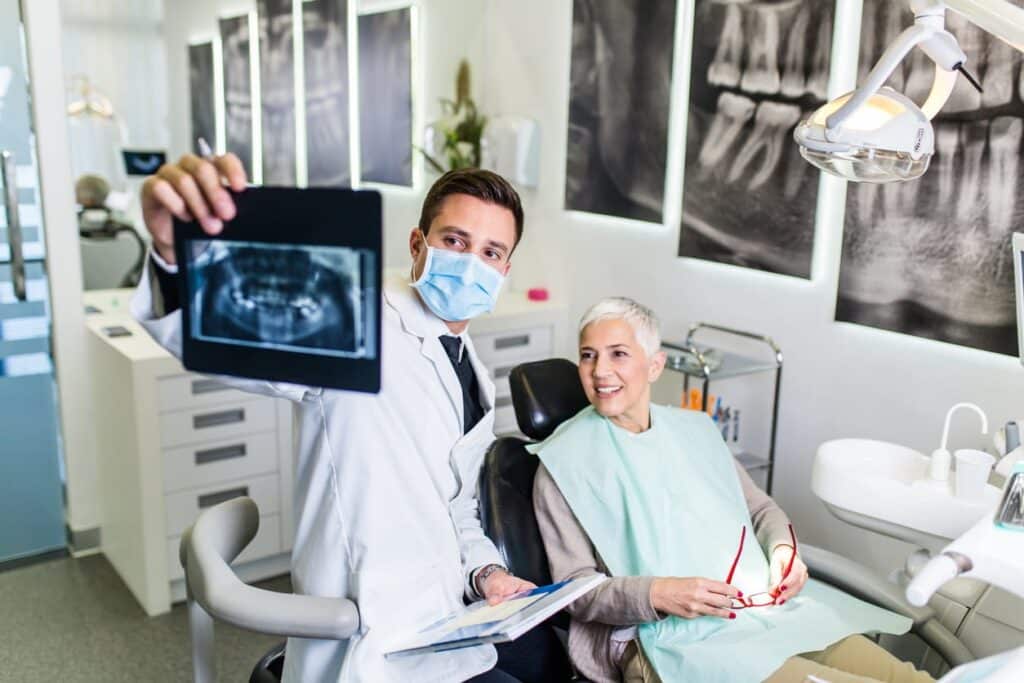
398 601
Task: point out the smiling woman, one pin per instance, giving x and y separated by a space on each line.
620 358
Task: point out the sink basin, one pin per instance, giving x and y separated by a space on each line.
883 487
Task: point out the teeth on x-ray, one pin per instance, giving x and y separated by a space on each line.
757 68
281 297
733 113
762 72
772 118
725 69
1005 138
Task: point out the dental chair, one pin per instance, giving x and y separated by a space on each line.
544 394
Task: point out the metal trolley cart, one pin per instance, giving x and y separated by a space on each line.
694 360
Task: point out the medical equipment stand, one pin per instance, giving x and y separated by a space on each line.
732 365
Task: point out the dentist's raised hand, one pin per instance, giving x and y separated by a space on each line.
193 188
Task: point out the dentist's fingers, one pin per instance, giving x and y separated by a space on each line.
230 167
185 185
208 177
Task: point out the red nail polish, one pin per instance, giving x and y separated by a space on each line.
732 615
782 602
782 589
740 594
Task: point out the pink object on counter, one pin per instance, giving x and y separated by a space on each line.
537 294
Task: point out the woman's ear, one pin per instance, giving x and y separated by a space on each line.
657 366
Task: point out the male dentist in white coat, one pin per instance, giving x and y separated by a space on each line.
386 488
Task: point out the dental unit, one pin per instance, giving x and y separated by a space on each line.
878 135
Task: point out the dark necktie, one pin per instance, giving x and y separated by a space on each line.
472 411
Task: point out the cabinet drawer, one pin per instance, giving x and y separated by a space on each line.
267 542
500 373
217 461
504 416
214 423
497 348
183 507
195 391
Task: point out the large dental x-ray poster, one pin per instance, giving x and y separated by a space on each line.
757 70
200 80
619 92
277 90
931 257
234 38
325 58
385 97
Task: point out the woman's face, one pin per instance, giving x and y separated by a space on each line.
617 373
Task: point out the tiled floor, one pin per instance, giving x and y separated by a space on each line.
73 620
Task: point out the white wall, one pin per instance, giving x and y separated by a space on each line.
840 380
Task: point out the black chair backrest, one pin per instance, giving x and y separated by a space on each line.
545 394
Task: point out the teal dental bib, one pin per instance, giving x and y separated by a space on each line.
668 502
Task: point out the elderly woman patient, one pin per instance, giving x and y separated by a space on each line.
707 584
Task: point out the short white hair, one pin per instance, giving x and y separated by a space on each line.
642 319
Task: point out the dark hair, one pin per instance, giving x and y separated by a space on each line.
485 185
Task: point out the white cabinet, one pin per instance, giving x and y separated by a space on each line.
172 443
519 331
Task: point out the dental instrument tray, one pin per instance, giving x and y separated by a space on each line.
707 363
289 290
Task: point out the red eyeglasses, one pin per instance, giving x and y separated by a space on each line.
758 599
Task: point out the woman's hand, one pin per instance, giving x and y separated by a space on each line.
501 585
694 597
784 588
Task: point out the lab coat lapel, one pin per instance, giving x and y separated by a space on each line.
417 320
486 386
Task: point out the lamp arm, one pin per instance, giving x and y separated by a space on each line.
880 73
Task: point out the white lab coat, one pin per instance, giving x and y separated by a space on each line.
386 498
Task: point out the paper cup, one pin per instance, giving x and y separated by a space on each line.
972 470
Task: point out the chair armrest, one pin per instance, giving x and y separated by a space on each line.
860 582
866 584
217 537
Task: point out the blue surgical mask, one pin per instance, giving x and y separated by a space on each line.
458 286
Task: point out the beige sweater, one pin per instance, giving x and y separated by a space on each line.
622 600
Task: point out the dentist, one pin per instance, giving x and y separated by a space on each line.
386 485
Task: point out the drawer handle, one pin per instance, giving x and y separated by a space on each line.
211 499
511 342
503 401
225 417
501 373
222 453
207 386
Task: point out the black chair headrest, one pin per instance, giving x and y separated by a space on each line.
545 394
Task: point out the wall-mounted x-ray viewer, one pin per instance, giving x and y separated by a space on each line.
143 162
289 291
1018 269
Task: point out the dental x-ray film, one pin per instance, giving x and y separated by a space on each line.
289 291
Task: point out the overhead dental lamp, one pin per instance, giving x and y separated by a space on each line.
878 135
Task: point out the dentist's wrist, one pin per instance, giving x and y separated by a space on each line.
482 574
